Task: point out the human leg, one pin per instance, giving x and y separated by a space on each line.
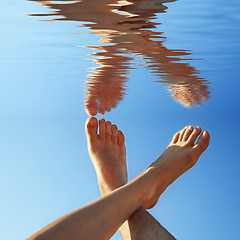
99 220
108 153
141 225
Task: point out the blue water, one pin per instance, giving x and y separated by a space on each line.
151 67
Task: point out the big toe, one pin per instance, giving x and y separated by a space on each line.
91 111
91 129
202 143
91 107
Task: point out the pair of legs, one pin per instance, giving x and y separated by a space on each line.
123 204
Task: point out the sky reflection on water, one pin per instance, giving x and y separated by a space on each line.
128 27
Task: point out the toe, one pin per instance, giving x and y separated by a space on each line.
91 111
202 143
91 105
102 128
182 134
114 133
101 109
91 129
187 133
120 138
193 136
175 137
107 107
108 131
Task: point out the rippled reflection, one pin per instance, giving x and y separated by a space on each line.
128 28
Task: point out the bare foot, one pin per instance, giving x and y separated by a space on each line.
108 153
181 154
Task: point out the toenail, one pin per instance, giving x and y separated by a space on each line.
205 136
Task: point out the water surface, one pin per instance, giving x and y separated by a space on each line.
129 28
151 67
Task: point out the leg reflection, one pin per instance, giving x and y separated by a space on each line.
128 27
105 87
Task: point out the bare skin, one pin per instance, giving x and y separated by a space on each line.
100 219
108 153
181 154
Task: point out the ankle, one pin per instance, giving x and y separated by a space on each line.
144 183
154 184
110 184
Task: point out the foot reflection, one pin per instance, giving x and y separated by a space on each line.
106 85
128 28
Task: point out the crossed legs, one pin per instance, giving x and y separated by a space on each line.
123 201
108 153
